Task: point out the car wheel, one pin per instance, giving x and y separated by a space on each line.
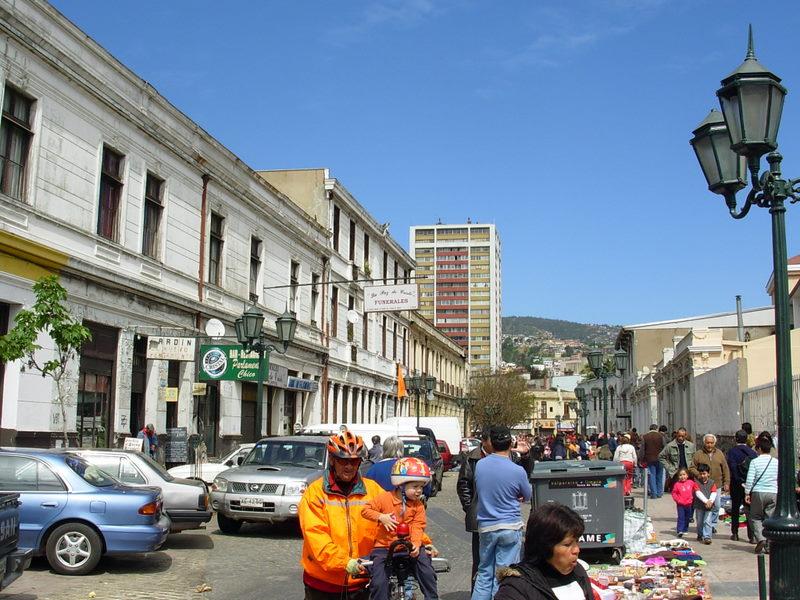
228 525
73 549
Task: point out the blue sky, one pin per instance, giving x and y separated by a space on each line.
566 123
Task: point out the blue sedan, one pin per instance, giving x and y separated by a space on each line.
73 512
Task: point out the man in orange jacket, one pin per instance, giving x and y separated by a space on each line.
335 534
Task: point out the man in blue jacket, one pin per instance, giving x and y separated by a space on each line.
148 434
737 458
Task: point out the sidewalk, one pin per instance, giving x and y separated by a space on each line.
732 570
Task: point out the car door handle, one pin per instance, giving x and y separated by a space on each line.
49 504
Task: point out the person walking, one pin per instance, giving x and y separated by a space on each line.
652 445
719 472
467 495
376 451
501 486
683 493
150 443
626 454
677 455
706 503
738 459
761 490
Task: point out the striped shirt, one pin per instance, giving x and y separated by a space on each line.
763 472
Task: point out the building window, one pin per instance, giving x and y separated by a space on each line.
294 281
314 297
396 271
110 194
351 303
352 249
15 141
334 310
336 228
385 266
153 207
366 250
365 332
215 250
394 340
255 267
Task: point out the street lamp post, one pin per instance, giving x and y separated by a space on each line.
417 384
751 99
250 335
466 403
597 394
595 359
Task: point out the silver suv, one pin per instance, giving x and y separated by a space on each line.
270 482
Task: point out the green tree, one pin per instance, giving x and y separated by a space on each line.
608 365
49 315
500 399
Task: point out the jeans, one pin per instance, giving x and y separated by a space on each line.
705 518
684 513
421 569
498 549
737 500
655 479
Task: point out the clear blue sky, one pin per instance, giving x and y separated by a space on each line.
565 123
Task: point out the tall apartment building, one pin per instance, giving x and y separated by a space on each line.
462 290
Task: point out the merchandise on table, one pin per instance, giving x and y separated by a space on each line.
667 571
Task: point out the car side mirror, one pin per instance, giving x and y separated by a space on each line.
239 460
229 463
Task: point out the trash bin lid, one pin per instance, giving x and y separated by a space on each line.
558 469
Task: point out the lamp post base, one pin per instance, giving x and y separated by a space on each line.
783 533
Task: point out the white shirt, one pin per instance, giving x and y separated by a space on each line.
625 452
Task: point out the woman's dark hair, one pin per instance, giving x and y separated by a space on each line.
741 436
764 444
547 526
747 427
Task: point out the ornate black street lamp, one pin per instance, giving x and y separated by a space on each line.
416 385
466 403
580 394
595 359
751 99
251 337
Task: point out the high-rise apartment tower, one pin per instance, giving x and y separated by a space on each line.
459 283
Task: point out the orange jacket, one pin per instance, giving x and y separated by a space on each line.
388 503
334 530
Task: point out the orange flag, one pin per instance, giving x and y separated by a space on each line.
401 382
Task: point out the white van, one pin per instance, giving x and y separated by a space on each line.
365 430
445 428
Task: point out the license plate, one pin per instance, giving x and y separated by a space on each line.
251 502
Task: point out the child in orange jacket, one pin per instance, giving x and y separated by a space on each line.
401 505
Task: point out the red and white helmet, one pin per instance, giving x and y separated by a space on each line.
345 445
409 469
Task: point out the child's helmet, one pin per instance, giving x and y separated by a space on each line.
409 469
345 445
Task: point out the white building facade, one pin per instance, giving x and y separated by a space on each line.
153 228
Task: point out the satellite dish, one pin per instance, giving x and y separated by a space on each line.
215 328
352 317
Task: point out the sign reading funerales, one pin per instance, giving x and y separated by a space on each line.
170 348
386 298
220 362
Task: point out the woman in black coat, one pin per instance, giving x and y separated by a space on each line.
551 559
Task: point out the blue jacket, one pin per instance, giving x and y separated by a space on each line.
149 440
735 457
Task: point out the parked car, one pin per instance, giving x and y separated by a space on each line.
207 472
186 501
447 456
73 512
422 447
268 485
13 561
468 444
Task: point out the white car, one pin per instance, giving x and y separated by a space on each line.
208 471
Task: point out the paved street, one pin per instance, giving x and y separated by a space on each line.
262 562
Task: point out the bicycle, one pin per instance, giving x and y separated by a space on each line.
400 565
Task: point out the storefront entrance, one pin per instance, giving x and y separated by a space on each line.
95 388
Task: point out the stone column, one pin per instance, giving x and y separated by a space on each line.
122 393
277 411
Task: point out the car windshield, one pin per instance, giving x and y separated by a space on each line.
90 473
158 468
417 448
287 453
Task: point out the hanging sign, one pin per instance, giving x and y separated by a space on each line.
306 385
222 362
132 443
198 389
170 394
170 348
387 298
